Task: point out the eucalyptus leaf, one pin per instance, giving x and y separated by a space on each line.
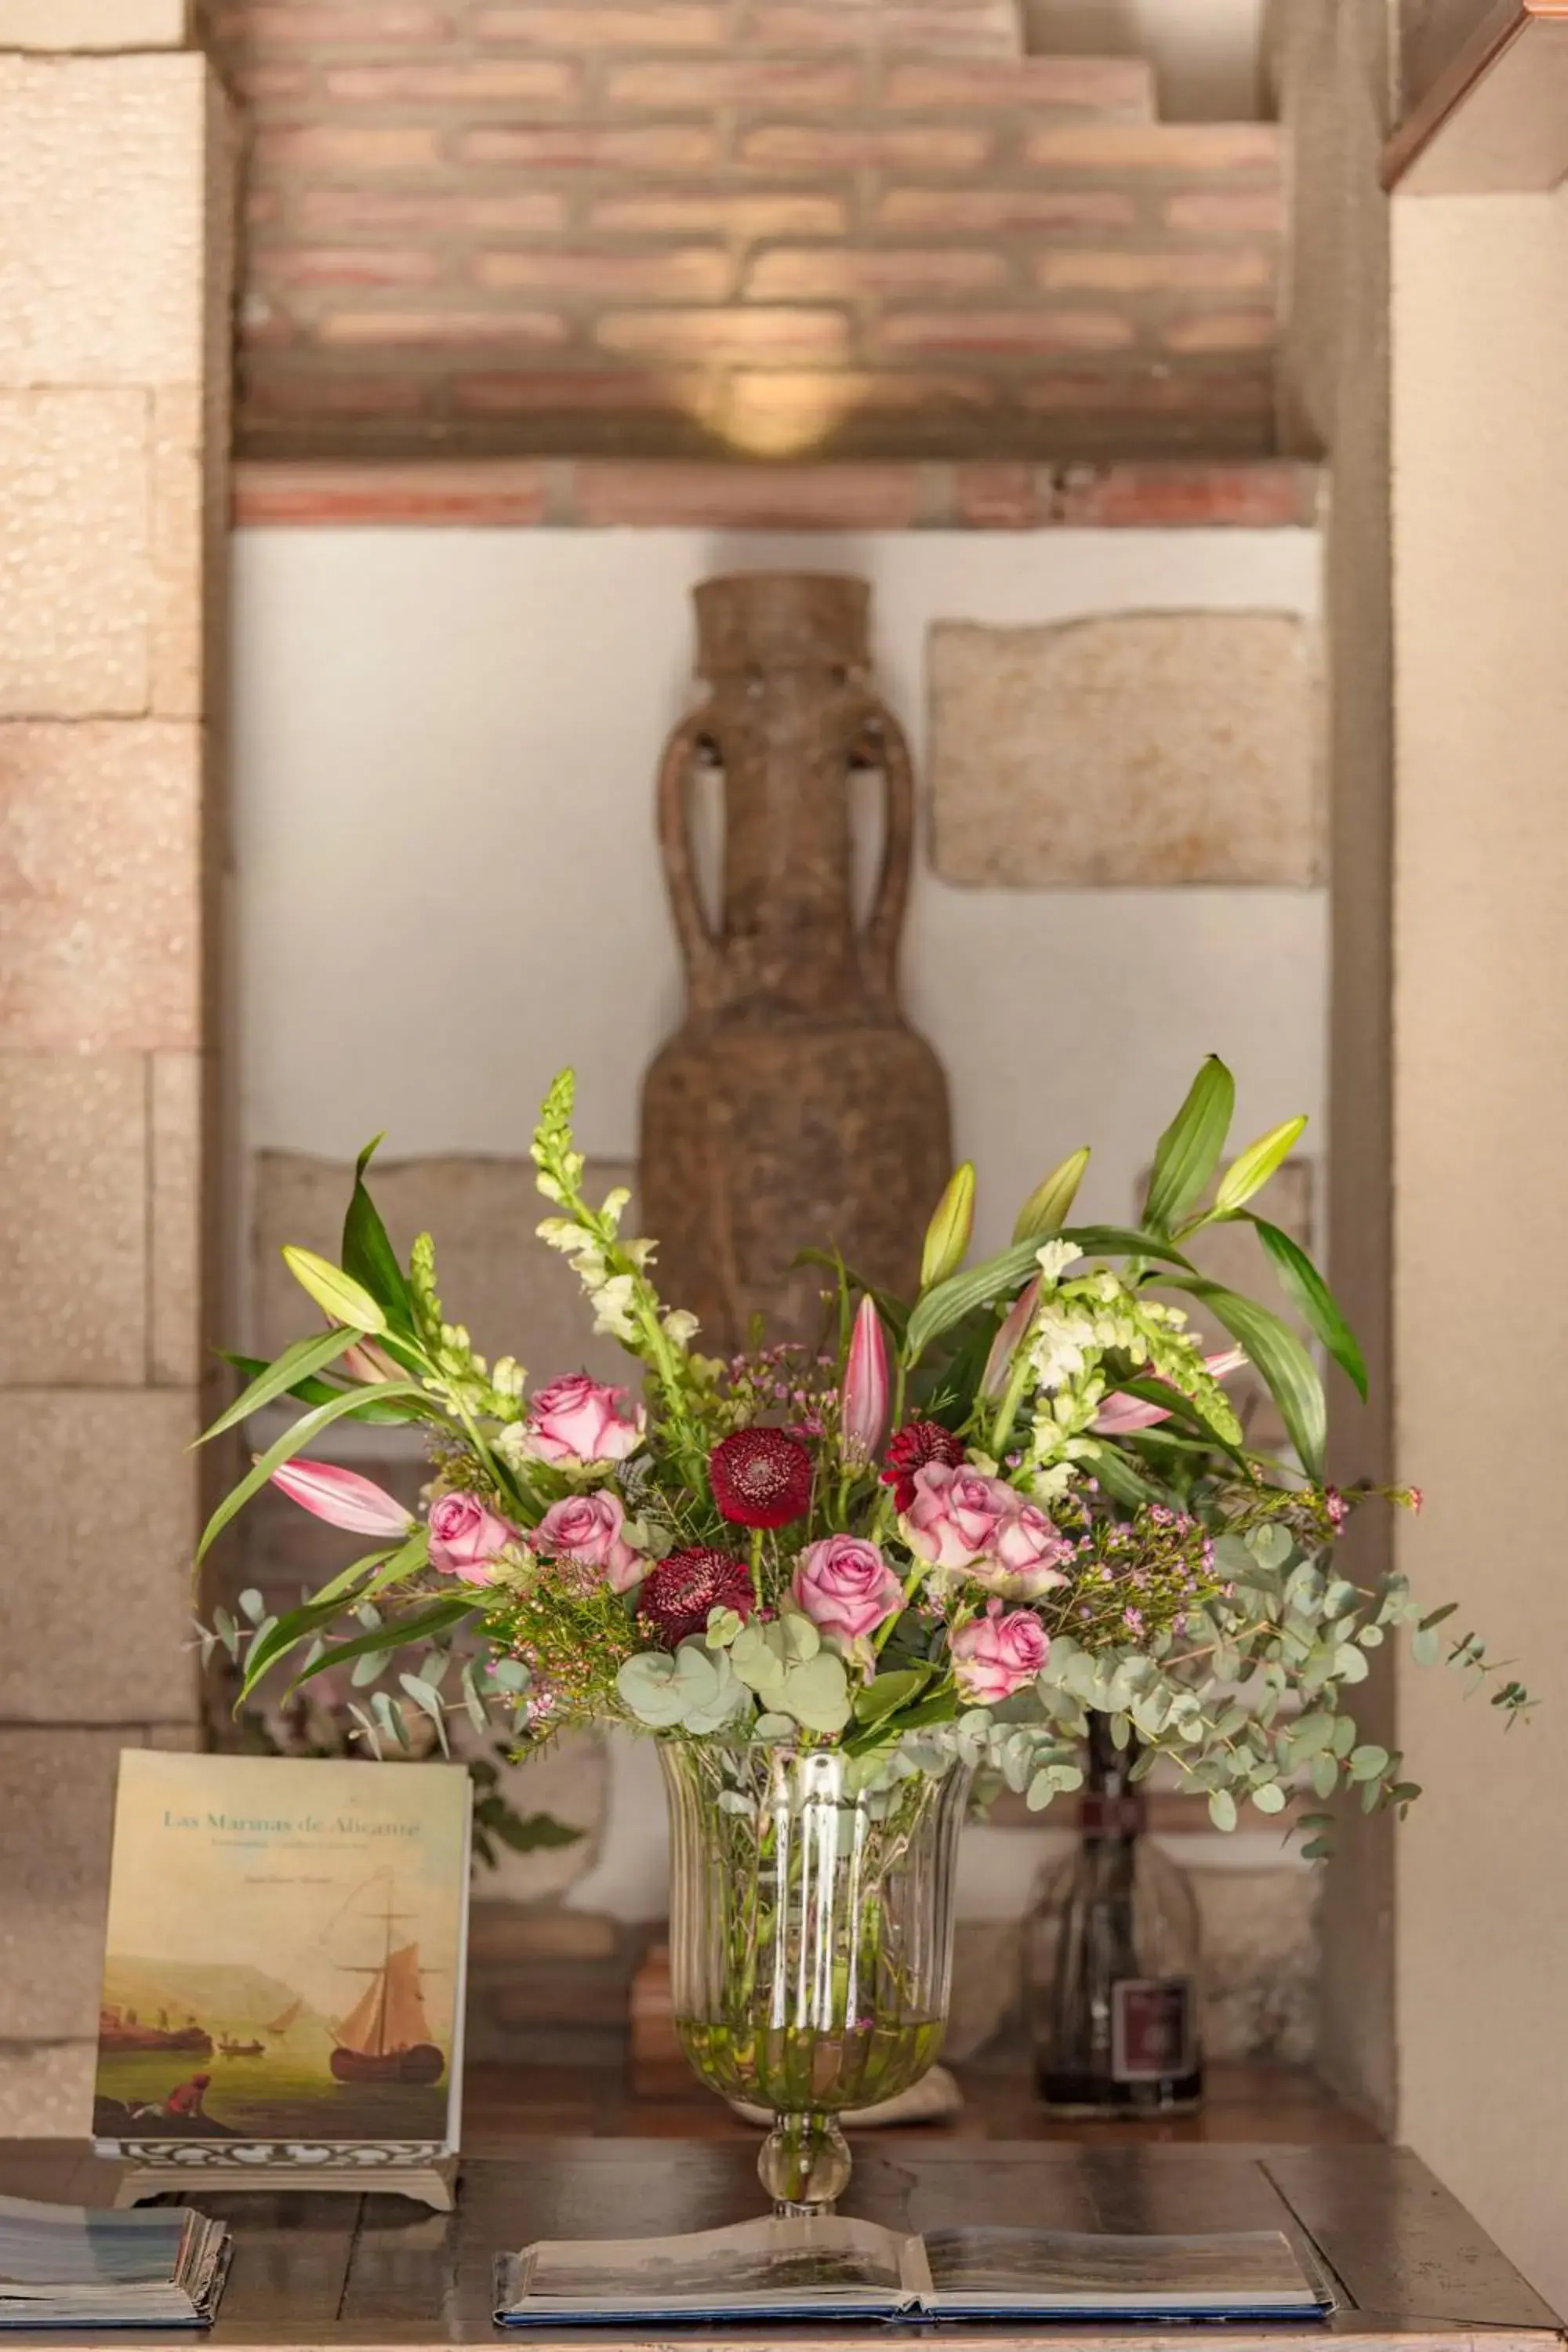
1221 1808
1188 1152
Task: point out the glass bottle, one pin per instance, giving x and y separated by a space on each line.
1112 1960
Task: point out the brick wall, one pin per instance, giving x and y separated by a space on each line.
677 226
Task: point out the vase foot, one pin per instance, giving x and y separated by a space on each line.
804 2165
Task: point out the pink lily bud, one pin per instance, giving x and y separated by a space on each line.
343 1498
864 1409
993 1379
367 1363
1120 1414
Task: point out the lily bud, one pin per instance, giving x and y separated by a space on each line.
340 1298
947 1235
1047 1208
1004 1346
864 1414
1119 1414
369 1364
343 1498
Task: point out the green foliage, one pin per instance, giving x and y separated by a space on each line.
1189 1151
1049 1206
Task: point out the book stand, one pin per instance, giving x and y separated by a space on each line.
424 2170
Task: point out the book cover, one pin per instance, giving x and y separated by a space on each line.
286 1948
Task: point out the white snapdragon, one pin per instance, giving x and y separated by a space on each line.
1054 1257
1059 1341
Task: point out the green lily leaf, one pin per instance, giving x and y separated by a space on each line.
1274 1349
311 1390
951 1300
395 1635
275 1379
293 1441
1189 1150
1305 1286
887 1693
368 1255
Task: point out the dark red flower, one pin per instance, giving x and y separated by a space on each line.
911 1449
762 1478
678 1592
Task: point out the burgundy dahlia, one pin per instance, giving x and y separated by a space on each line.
679 1591
761 1477
911 1449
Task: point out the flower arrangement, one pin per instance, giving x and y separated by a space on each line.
954 1526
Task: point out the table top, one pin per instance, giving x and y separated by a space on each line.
317 2273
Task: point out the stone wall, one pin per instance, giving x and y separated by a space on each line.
115 239
706 224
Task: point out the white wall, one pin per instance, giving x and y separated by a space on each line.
447 883
1480 1147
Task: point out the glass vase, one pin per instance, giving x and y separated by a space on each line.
810 1940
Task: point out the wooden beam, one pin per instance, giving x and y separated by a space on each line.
1495 117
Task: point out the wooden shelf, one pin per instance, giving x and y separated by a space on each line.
1494 119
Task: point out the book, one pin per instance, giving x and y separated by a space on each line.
78 2266
812 2269
284 1973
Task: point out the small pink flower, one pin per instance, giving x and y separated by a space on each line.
343 1498
955 1515
587 1528
577 1422
995 1655
845 1587
864 1414
1005 1345
1023 1561
467 1539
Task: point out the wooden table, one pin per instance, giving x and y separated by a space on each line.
315 2274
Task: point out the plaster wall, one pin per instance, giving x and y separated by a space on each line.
448 738
1480 359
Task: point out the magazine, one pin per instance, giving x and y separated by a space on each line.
837 2269
76 2266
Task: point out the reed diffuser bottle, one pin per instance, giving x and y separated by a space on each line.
1111 1960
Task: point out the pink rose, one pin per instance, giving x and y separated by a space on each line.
845 1587
1024 1551
575 1421
467 1539
587 1528
992 1656
954 1518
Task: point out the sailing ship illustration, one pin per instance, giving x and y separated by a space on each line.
387 2036
278 2026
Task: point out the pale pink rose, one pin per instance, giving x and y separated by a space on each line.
995 1655
576 1422
467 1537
845 1587
1025 1552
955 1514
587 1528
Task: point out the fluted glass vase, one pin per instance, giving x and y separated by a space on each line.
811 1939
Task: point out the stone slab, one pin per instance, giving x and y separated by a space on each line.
99 885
46 2089
103 195
95 1556
516 1296
75 562
56 1807
73 1241
61 25
1132 749
175 1220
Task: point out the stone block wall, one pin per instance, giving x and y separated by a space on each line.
699 225
115 211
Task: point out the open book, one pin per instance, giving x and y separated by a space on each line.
810 2268
77 2267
